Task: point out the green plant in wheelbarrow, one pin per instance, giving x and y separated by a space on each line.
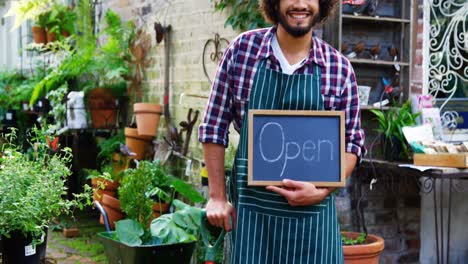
147 191
135 239
32 189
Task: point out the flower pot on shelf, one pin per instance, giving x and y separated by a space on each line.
110 188
137 143
112 207
147 118
51 37
103 108
39 35
368 253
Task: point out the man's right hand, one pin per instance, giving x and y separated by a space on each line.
219 213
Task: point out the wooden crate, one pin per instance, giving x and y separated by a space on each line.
442 160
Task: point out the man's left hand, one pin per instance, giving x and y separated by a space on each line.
300 193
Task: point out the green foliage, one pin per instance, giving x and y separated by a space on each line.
27 9
109 146
182 226
129 232
148 182
60 19
361 239
16 88
58 108
111 63
243 15
391 123
32 186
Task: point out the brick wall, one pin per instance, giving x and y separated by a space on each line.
391 210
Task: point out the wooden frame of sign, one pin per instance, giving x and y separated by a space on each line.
297 143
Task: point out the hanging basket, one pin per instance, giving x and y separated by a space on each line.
147 118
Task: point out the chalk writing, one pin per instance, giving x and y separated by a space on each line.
310 150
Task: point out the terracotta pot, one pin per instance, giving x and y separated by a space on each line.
103 108
119 163
136 143
113 210
147 118
160 209
368 253
110 188
70 232
39 35
51 37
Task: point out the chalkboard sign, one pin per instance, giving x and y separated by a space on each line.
297 145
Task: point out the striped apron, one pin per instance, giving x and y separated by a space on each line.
268 229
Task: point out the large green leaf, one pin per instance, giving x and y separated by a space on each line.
187 190
129 232
178 227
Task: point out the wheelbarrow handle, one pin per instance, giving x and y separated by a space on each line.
104 215
211 250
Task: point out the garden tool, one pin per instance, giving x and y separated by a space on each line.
210 255
187 126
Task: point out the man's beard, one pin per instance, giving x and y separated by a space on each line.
297 31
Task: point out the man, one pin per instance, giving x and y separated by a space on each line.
283 67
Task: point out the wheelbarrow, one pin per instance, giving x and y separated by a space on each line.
118 252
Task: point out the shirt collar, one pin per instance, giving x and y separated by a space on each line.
315 55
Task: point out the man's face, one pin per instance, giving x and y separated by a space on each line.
298 17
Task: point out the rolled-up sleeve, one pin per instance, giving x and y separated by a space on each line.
350 103
218 114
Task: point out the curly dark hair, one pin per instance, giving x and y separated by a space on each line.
269 10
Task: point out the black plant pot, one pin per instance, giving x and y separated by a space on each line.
18 250
392 149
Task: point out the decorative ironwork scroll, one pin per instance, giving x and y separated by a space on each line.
447 44
216 55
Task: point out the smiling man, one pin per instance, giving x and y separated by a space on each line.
282 67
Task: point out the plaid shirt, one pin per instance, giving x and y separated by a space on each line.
231 88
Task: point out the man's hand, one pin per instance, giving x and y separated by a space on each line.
301 193
219 213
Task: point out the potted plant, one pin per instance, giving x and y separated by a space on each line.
359 248
109 69
390 127
35 10
32 188
59 22
110 152
170 238
147 118
147 191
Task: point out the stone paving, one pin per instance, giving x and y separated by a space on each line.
85 248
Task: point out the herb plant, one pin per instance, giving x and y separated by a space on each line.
361 239
32 186
149 183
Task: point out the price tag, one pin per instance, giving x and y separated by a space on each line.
9 116
188 168
29 250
